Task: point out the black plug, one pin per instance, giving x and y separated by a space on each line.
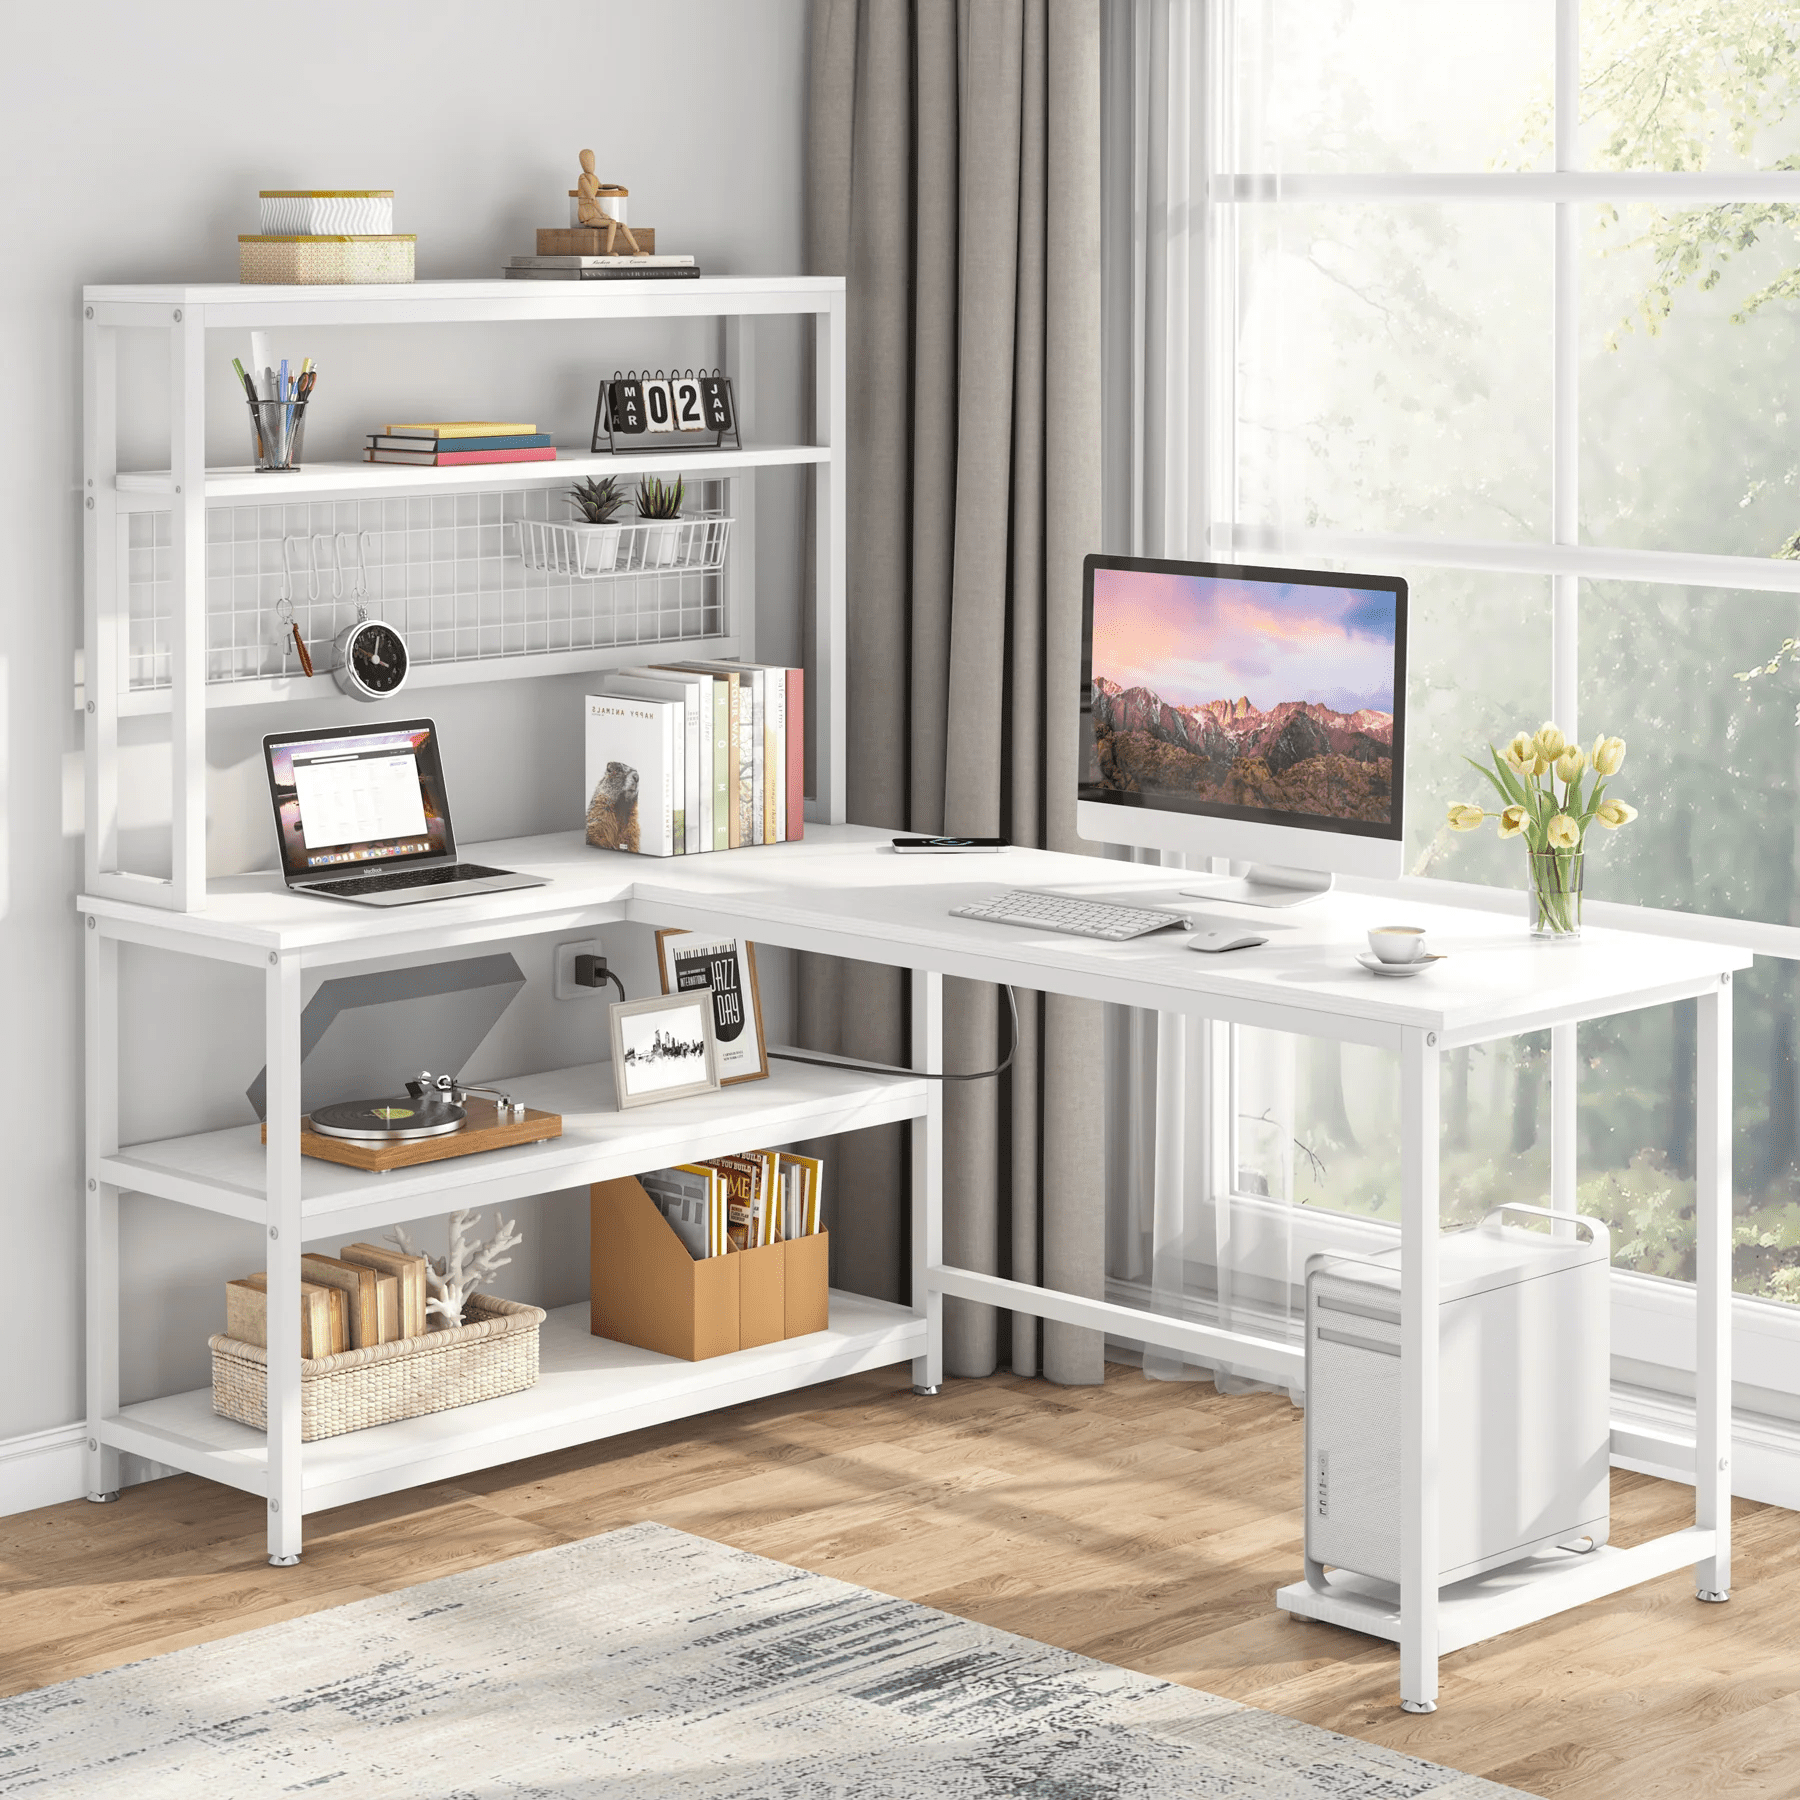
592 972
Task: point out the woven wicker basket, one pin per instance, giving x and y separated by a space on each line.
495 1353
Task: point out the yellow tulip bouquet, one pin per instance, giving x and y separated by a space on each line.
1525 776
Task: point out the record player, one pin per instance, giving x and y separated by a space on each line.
438 1116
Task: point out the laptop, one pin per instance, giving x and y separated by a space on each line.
362 815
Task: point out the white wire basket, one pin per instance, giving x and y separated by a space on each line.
694 545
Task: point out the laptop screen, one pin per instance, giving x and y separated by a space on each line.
358 795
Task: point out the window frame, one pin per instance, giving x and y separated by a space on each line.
1191 483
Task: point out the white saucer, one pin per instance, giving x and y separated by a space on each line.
1376 966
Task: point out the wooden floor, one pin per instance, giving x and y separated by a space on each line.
1144 1523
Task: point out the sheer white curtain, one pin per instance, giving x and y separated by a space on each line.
1200 1182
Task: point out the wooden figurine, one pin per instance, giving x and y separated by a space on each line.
589 211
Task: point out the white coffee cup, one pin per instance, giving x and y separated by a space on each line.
1398 943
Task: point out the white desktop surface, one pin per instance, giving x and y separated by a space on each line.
841 889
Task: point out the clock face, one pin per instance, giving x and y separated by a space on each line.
378 657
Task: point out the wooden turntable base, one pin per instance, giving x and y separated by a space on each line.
485 1130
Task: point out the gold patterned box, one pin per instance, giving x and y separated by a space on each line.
329 261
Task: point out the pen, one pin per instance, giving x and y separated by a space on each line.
255 409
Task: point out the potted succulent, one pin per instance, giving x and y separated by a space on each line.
596 536
660 500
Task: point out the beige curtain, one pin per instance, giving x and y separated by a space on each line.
954 165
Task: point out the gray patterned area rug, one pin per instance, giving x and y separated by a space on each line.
647 1664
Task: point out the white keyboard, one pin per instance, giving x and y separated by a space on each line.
1079 918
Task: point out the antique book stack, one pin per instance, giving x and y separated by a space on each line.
693 756
370 1294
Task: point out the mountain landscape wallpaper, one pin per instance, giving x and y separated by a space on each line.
1273 697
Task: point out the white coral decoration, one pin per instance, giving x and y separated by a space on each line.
451 1280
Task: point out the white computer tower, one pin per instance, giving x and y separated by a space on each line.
1524 1435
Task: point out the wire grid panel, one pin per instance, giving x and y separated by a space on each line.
444 568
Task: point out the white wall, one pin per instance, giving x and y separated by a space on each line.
133 139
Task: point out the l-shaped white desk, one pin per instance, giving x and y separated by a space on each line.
842 891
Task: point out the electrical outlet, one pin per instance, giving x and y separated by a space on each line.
565 988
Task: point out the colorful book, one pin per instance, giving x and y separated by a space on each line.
631 752
449 459
459 428
415 440
796 754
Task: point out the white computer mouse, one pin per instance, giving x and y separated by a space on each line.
1212 942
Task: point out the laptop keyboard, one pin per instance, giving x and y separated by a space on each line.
382 884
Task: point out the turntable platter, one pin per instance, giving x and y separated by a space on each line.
395 1121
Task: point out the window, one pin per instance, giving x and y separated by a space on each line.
1506 297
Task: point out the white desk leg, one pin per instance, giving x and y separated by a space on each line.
1712 1288
928 1178
1564 1124
1419 1561
281 1034
101 1468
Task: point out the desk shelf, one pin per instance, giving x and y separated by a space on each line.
152 490
588 1388
225 1171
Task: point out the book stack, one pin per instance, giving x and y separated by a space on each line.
449 443
370 1294
602 268
739 1202
693 756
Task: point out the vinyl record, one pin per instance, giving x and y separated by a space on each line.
389 1121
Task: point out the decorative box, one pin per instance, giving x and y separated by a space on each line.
590 240
494 1353
325 261
327 212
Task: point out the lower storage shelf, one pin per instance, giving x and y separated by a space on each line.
588 1388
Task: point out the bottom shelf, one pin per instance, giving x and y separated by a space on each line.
1484 1606
588 1388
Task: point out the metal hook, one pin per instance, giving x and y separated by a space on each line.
288 571
358 574
337 578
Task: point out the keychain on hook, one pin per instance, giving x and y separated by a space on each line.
284 611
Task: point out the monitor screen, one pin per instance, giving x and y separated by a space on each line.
358 795
1269 696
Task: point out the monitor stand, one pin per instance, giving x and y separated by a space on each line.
1266 884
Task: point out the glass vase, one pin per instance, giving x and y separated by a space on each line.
1555 894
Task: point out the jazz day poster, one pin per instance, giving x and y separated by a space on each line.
727 966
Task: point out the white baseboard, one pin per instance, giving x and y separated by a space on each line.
43 1468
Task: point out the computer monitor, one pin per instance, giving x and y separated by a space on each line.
1256 714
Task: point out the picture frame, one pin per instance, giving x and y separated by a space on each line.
663 1048
726 967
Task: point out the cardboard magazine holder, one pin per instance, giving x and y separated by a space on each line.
648 1291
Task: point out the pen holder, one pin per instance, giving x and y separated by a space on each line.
276 429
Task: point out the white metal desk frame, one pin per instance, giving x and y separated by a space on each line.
1423 1628
822 895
